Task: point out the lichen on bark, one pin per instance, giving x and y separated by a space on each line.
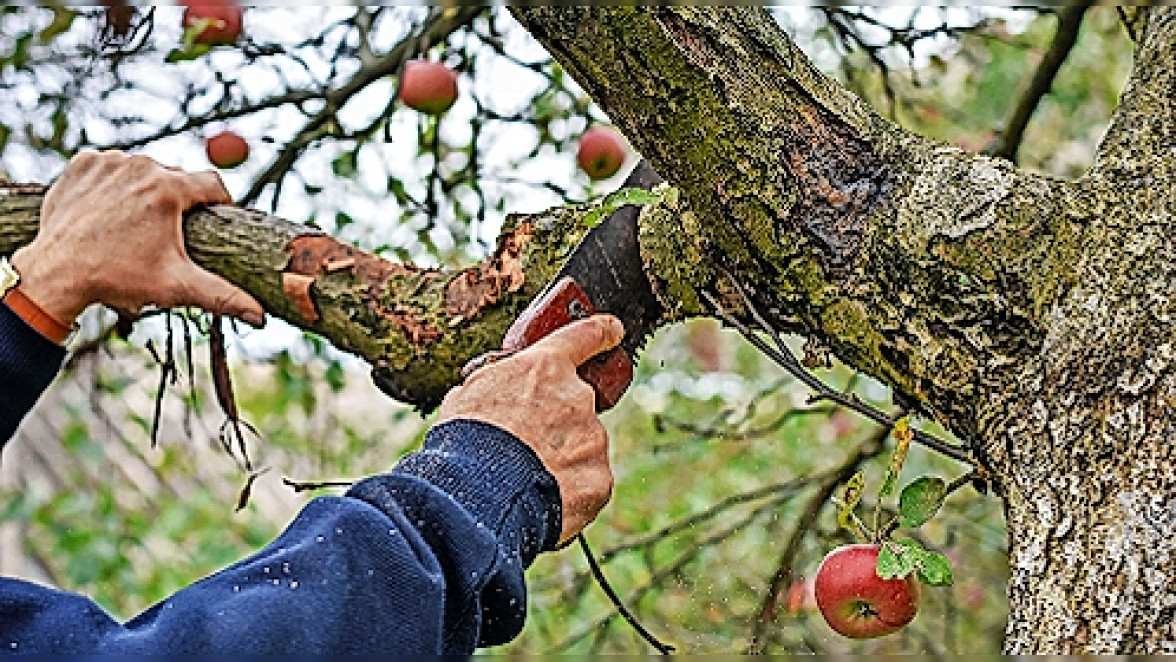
410 324
1030 315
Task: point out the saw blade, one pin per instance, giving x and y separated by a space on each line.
607 265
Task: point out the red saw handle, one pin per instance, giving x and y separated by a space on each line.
609 373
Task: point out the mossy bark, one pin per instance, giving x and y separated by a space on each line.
417 327
1032 316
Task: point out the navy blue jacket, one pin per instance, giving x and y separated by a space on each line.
427 558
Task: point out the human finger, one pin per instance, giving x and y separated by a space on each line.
216 295
204 188
583 339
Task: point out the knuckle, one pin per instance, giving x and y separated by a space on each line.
141 162
111 156
85 158
583 392
596 334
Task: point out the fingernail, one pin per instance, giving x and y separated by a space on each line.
255 320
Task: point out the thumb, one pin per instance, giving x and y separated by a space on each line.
583 339
218 296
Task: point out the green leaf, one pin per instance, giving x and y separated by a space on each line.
903 435
853 496
335 376
397 188
193 52
346 165
920 500
631 196
618 199
897 559
934 569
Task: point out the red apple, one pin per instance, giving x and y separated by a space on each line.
430 87
601 153
224 19
801 596
855 601
227 149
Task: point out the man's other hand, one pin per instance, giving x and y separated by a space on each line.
537 396
111 232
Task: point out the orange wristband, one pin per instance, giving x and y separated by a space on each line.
36 317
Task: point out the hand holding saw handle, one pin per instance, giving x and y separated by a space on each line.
564 302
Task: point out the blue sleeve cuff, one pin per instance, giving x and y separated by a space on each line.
28 364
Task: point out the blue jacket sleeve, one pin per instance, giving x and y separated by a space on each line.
28 363
428 558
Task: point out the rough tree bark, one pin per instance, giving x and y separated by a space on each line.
1032 316
415 326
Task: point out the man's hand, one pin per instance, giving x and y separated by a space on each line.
537 396
111 232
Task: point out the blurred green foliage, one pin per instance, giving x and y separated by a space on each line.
716 451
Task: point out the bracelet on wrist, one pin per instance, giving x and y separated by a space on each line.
28 310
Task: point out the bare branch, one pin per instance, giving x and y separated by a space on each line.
1069 23
439 26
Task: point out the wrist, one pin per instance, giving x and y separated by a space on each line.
48 285
48 288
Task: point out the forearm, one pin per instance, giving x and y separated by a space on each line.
28 363
428 558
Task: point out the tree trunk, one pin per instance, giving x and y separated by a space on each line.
1030 315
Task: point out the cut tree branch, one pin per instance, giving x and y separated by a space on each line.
415 326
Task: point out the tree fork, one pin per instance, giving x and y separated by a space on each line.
1032 316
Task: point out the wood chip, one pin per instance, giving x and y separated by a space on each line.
297 288
338 265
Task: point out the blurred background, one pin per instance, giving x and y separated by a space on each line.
719 518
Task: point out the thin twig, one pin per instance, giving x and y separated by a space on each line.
301 486
664 649
1069 23
782 355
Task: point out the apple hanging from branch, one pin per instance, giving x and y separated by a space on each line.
855 601
601 152
227 149
872 589
428 87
